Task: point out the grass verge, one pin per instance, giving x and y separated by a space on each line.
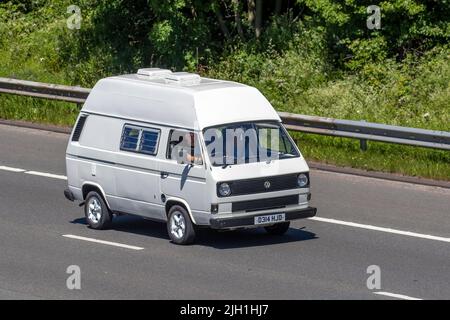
406 160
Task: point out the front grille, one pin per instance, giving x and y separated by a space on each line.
258 185
264 204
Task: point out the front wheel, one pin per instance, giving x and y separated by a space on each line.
179 226
279 228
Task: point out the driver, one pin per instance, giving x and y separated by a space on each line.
188 150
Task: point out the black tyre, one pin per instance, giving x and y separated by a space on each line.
279 228
96 211
179 226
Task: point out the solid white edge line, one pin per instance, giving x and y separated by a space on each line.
11 169
115 244
395 295
48 175
381 229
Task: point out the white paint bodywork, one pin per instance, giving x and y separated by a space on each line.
132 182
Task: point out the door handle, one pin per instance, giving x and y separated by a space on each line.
164 174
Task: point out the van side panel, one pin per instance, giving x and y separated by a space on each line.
189 183
130 180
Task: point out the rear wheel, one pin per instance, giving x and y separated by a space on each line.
179 226
279 228
96 211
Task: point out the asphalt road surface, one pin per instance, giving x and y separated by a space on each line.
404 229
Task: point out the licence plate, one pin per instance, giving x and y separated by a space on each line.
270 218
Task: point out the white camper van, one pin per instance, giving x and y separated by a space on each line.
186 150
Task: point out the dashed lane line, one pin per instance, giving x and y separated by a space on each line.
396 295
109 243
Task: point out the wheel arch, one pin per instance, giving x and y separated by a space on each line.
171 201
89 186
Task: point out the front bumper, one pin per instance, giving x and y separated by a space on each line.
249 220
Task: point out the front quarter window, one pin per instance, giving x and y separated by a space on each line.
184 147
275 141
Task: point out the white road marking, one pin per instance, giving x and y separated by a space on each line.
395 295
115 244
35 173
11 169
48 175
381 229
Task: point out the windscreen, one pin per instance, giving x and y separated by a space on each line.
248 142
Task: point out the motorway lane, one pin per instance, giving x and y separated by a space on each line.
320 261
383 203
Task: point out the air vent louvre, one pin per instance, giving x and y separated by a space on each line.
79 128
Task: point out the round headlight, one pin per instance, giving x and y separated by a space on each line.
224 189
302 180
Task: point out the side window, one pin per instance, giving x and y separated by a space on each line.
184 147
130 138
149 141
141 140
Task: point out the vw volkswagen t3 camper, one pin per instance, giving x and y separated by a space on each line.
186 150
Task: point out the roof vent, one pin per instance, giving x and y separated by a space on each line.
183 78
154 72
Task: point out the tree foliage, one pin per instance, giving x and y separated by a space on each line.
192 33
